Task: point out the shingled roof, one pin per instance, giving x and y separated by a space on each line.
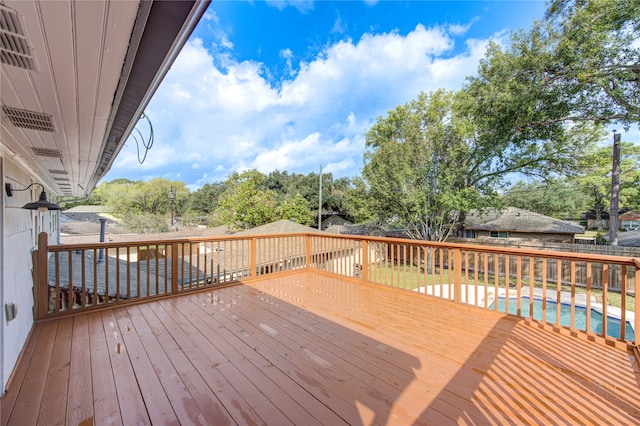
279 227
628 239
514 219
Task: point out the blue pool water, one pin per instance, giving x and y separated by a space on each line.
613 324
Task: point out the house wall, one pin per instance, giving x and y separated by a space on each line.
334 220
629 220
527 236
592 223
19 238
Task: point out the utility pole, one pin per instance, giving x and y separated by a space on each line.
615 191
172 197
320 202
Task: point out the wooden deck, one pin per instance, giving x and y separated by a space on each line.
308 349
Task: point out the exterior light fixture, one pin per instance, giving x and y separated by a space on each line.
42 205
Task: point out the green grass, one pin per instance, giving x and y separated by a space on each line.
408 277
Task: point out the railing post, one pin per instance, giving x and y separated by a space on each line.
253 255
307 251
174 267
457 275
636 326
364 267
41 278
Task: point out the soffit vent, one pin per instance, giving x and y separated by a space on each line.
14 47
46 152
61 179
58 172
29 119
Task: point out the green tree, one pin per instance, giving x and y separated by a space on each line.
581 65
152 196
419 168
206 199
287 186
296 208
246 203
357 202
127 198
432 160
595 179
556 198
596 59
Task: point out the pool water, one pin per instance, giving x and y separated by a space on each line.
613 324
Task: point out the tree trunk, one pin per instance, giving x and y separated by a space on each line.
615 191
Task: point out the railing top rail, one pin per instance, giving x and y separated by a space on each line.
585 257
168 241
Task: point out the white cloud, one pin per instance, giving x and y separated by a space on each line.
302 5
214 115
339 26
211 15
459 29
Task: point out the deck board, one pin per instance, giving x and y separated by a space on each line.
311 349
80 401
106 407
56 391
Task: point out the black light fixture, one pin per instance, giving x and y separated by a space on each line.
41 205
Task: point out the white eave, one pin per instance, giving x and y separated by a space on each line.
71 97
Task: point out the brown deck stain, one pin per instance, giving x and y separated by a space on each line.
311 349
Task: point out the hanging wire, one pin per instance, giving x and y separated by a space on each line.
146 144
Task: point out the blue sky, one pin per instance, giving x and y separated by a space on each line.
292 85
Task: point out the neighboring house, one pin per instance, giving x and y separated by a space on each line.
591 220
334 219
629 220
515 224
346 230
76 77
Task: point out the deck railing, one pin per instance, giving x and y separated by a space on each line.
580 292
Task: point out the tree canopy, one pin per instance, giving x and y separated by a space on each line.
431 161
581 64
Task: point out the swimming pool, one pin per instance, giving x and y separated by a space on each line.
613 324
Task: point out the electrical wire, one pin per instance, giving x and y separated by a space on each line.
147 144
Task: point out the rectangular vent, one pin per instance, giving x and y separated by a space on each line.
14 47
29 119
46 152
61 179
58 172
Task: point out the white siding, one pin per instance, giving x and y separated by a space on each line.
19 240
